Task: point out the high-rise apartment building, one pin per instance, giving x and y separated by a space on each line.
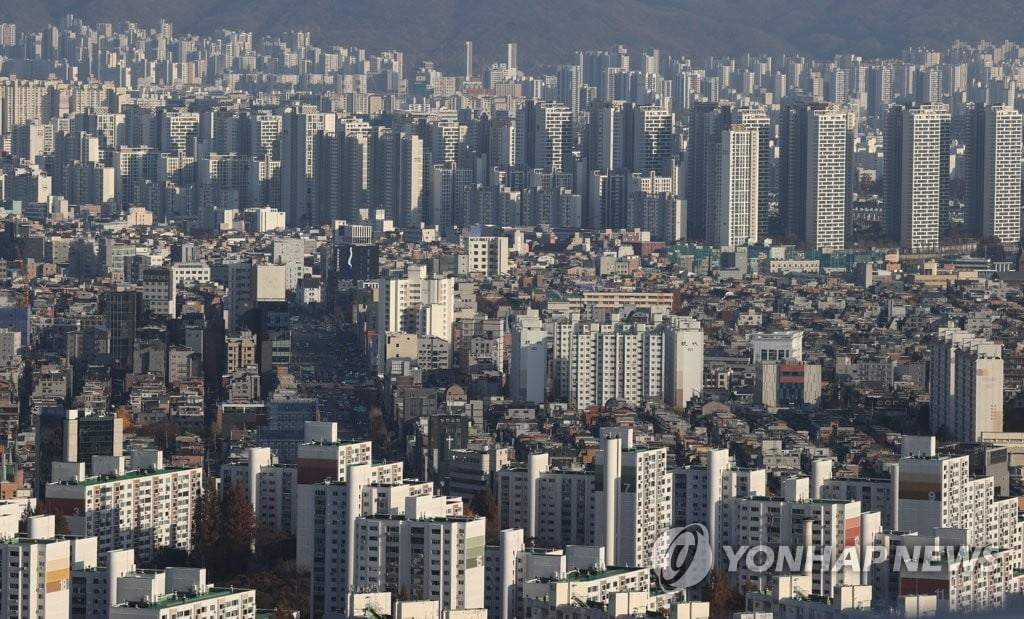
606 135
966 385
814 173
698 491
364 532
756 118
632 497
269 486
544 135
652 140
939 495
415 303
707 122
148 508
624 503
916 192
528 361
733 213
35 579
993 183
300 146
627 361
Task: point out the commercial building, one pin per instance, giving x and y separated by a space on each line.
778 346
788 383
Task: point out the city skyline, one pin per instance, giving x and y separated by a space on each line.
296 329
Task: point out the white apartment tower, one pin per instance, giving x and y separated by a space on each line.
606 135
528 361
487 255
146 509
415 303
756 118
624 503
732 219
993 172
369 532
966 386
632 497
826 178
35 579
917 173
629 361
412 181
652 139
938 495
698 491
512 58
434 553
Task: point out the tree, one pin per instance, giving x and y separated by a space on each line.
484 504
125 414
273 547
379 432
60 521
283 588
60 524
723 598
25 515
168 557
238 526
207 526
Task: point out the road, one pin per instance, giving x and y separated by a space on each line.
329 366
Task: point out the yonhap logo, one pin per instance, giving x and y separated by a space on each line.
681 557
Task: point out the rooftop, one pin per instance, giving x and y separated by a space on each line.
136 474
178 598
